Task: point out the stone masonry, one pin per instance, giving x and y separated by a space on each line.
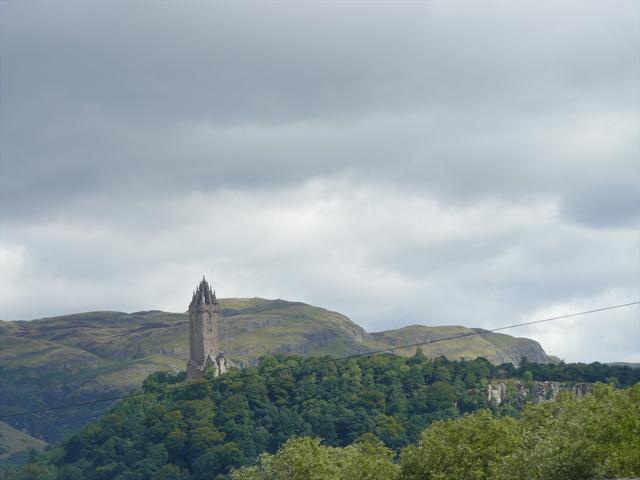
204 341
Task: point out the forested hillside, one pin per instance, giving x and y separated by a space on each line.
87 356
593 437
202 430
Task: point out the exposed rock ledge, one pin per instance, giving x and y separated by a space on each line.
533 391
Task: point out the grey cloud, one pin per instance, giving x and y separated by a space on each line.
423 162
612 204
253 62
418 152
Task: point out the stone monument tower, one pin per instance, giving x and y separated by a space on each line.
204 340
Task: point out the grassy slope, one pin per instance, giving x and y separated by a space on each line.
497 348
79 357
15 445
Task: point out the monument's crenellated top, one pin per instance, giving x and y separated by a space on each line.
203 295
204 342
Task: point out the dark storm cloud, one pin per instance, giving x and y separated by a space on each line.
109 97
370 158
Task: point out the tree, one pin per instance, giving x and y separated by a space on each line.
168 472
466 448
596 436
306 458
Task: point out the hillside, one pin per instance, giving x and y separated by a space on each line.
15 445
201 430
80 357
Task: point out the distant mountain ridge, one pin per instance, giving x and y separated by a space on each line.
86 356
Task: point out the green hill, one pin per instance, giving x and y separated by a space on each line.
82 357
16 445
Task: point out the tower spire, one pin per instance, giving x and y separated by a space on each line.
204 348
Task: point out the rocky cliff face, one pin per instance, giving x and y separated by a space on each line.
519 392
495 347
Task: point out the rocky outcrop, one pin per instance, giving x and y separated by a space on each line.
465 343
520 392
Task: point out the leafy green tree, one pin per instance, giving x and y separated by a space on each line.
216 460
175 443
168 472
306 458
70 472
466 448
597 436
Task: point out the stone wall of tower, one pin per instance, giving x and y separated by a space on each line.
204 343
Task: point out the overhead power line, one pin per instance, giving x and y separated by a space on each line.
328 360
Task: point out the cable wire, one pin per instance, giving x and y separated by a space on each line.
325 360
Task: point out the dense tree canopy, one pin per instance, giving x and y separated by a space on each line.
365 410
594 437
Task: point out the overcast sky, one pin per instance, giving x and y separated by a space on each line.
472 163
